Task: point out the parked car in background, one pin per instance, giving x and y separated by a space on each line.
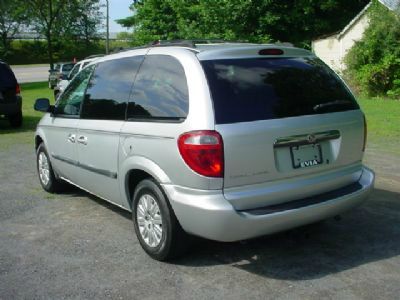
62 84
10 98
59 72
225 141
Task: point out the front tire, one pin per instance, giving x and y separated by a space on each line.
47 178
156 226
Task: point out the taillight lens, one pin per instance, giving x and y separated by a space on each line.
203 152
365 133
17 89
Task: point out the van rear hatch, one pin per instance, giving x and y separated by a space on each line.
283 120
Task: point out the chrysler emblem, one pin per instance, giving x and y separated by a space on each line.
311 138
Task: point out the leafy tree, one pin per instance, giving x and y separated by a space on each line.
12 18
85 19
47 18
59 20
374 61
253 20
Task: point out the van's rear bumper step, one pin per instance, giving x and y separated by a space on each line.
305 201
210 215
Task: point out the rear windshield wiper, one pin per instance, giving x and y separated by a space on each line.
326 105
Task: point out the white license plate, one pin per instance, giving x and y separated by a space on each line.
305 156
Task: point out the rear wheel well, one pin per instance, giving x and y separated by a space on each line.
134 177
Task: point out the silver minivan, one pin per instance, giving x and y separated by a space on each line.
226 141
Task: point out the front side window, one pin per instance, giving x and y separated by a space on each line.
69 103
160 91
109 89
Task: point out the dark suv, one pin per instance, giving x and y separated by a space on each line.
10 98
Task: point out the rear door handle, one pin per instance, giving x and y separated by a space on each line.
71 138
82 140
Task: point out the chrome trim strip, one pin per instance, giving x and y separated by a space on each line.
303 139
57 127
66 160
107 173
144 136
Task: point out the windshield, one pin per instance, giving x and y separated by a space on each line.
251 89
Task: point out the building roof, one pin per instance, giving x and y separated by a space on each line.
352 22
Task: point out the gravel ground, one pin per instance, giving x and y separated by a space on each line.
75 246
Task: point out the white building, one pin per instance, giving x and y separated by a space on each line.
333 48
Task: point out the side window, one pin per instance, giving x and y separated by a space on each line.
109 89
160 90
70 101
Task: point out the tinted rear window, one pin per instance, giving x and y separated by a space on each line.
253 89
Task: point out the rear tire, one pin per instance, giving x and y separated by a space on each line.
47 178
156 226
16 119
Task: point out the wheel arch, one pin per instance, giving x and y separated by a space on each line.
134 170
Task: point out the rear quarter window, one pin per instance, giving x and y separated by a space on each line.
252 89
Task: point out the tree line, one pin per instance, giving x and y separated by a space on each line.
56 20
296 21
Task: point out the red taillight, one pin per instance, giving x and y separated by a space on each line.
271 51
203 152
18 89
365 134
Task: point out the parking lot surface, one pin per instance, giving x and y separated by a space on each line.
75 246
31 73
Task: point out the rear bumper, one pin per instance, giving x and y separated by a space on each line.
11 108
208 214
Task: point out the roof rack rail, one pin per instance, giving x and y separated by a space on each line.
121 49
188 43
94 56
178 43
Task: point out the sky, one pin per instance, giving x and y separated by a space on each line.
119 9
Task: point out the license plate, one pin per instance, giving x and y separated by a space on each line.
305 156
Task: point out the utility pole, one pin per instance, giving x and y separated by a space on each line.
108 29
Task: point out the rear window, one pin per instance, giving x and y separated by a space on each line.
252 89
7 78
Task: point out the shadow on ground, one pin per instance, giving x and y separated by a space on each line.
366 234
29 124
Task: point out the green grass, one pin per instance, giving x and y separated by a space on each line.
383 117
24 135
30 65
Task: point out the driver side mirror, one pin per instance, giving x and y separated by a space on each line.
43 105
